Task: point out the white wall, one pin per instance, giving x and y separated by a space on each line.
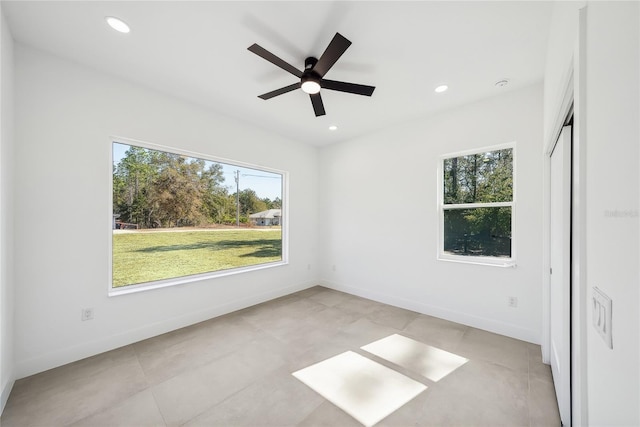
380 219
6 213
613 94
559 60
609 94
64 116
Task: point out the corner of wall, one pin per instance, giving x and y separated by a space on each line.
4 394
7 360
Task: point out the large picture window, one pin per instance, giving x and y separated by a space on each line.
180 217
477 206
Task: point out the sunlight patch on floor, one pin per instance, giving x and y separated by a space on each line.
362 388
423 359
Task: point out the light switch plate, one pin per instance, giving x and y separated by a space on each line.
601 316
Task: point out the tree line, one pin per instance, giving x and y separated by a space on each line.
159 189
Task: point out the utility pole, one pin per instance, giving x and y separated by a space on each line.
237 176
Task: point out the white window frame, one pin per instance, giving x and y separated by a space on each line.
203 276
467 259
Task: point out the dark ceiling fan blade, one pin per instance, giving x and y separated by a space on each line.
347 87
334 51
264 53
280 91
318 106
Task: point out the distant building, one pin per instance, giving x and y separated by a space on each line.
270 217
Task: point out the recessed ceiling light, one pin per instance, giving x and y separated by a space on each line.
117 24
441 88
502 83
333 127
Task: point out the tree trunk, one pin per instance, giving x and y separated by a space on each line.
454 180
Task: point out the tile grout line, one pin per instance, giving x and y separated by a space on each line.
149 386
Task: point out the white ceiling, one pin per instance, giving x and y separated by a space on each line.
198 51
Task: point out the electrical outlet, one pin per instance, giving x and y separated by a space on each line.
333 267
87 314
308 266
512 302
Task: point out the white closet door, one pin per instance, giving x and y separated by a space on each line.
560 289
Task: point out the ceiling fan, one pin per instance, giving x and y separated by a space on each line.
312 78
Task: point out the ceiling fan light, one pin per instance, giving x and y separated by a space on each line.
311 87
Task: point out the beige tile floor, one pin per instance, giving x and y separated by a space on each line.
236 370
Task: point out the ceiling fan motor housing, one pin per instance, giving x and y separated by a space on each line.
309 74
310 80
309 63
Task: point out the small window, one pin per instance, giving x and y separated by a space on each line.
477 206
179 217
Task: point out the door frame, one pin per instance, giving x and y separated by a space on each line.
573 96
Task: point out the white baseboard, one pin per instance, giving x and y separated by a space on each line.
71 354
4 395
490 325
87 349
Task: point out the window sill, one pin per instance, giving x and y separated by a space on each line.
142 287
491 262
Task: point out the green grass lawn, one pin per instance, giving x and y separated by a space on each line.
140 257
